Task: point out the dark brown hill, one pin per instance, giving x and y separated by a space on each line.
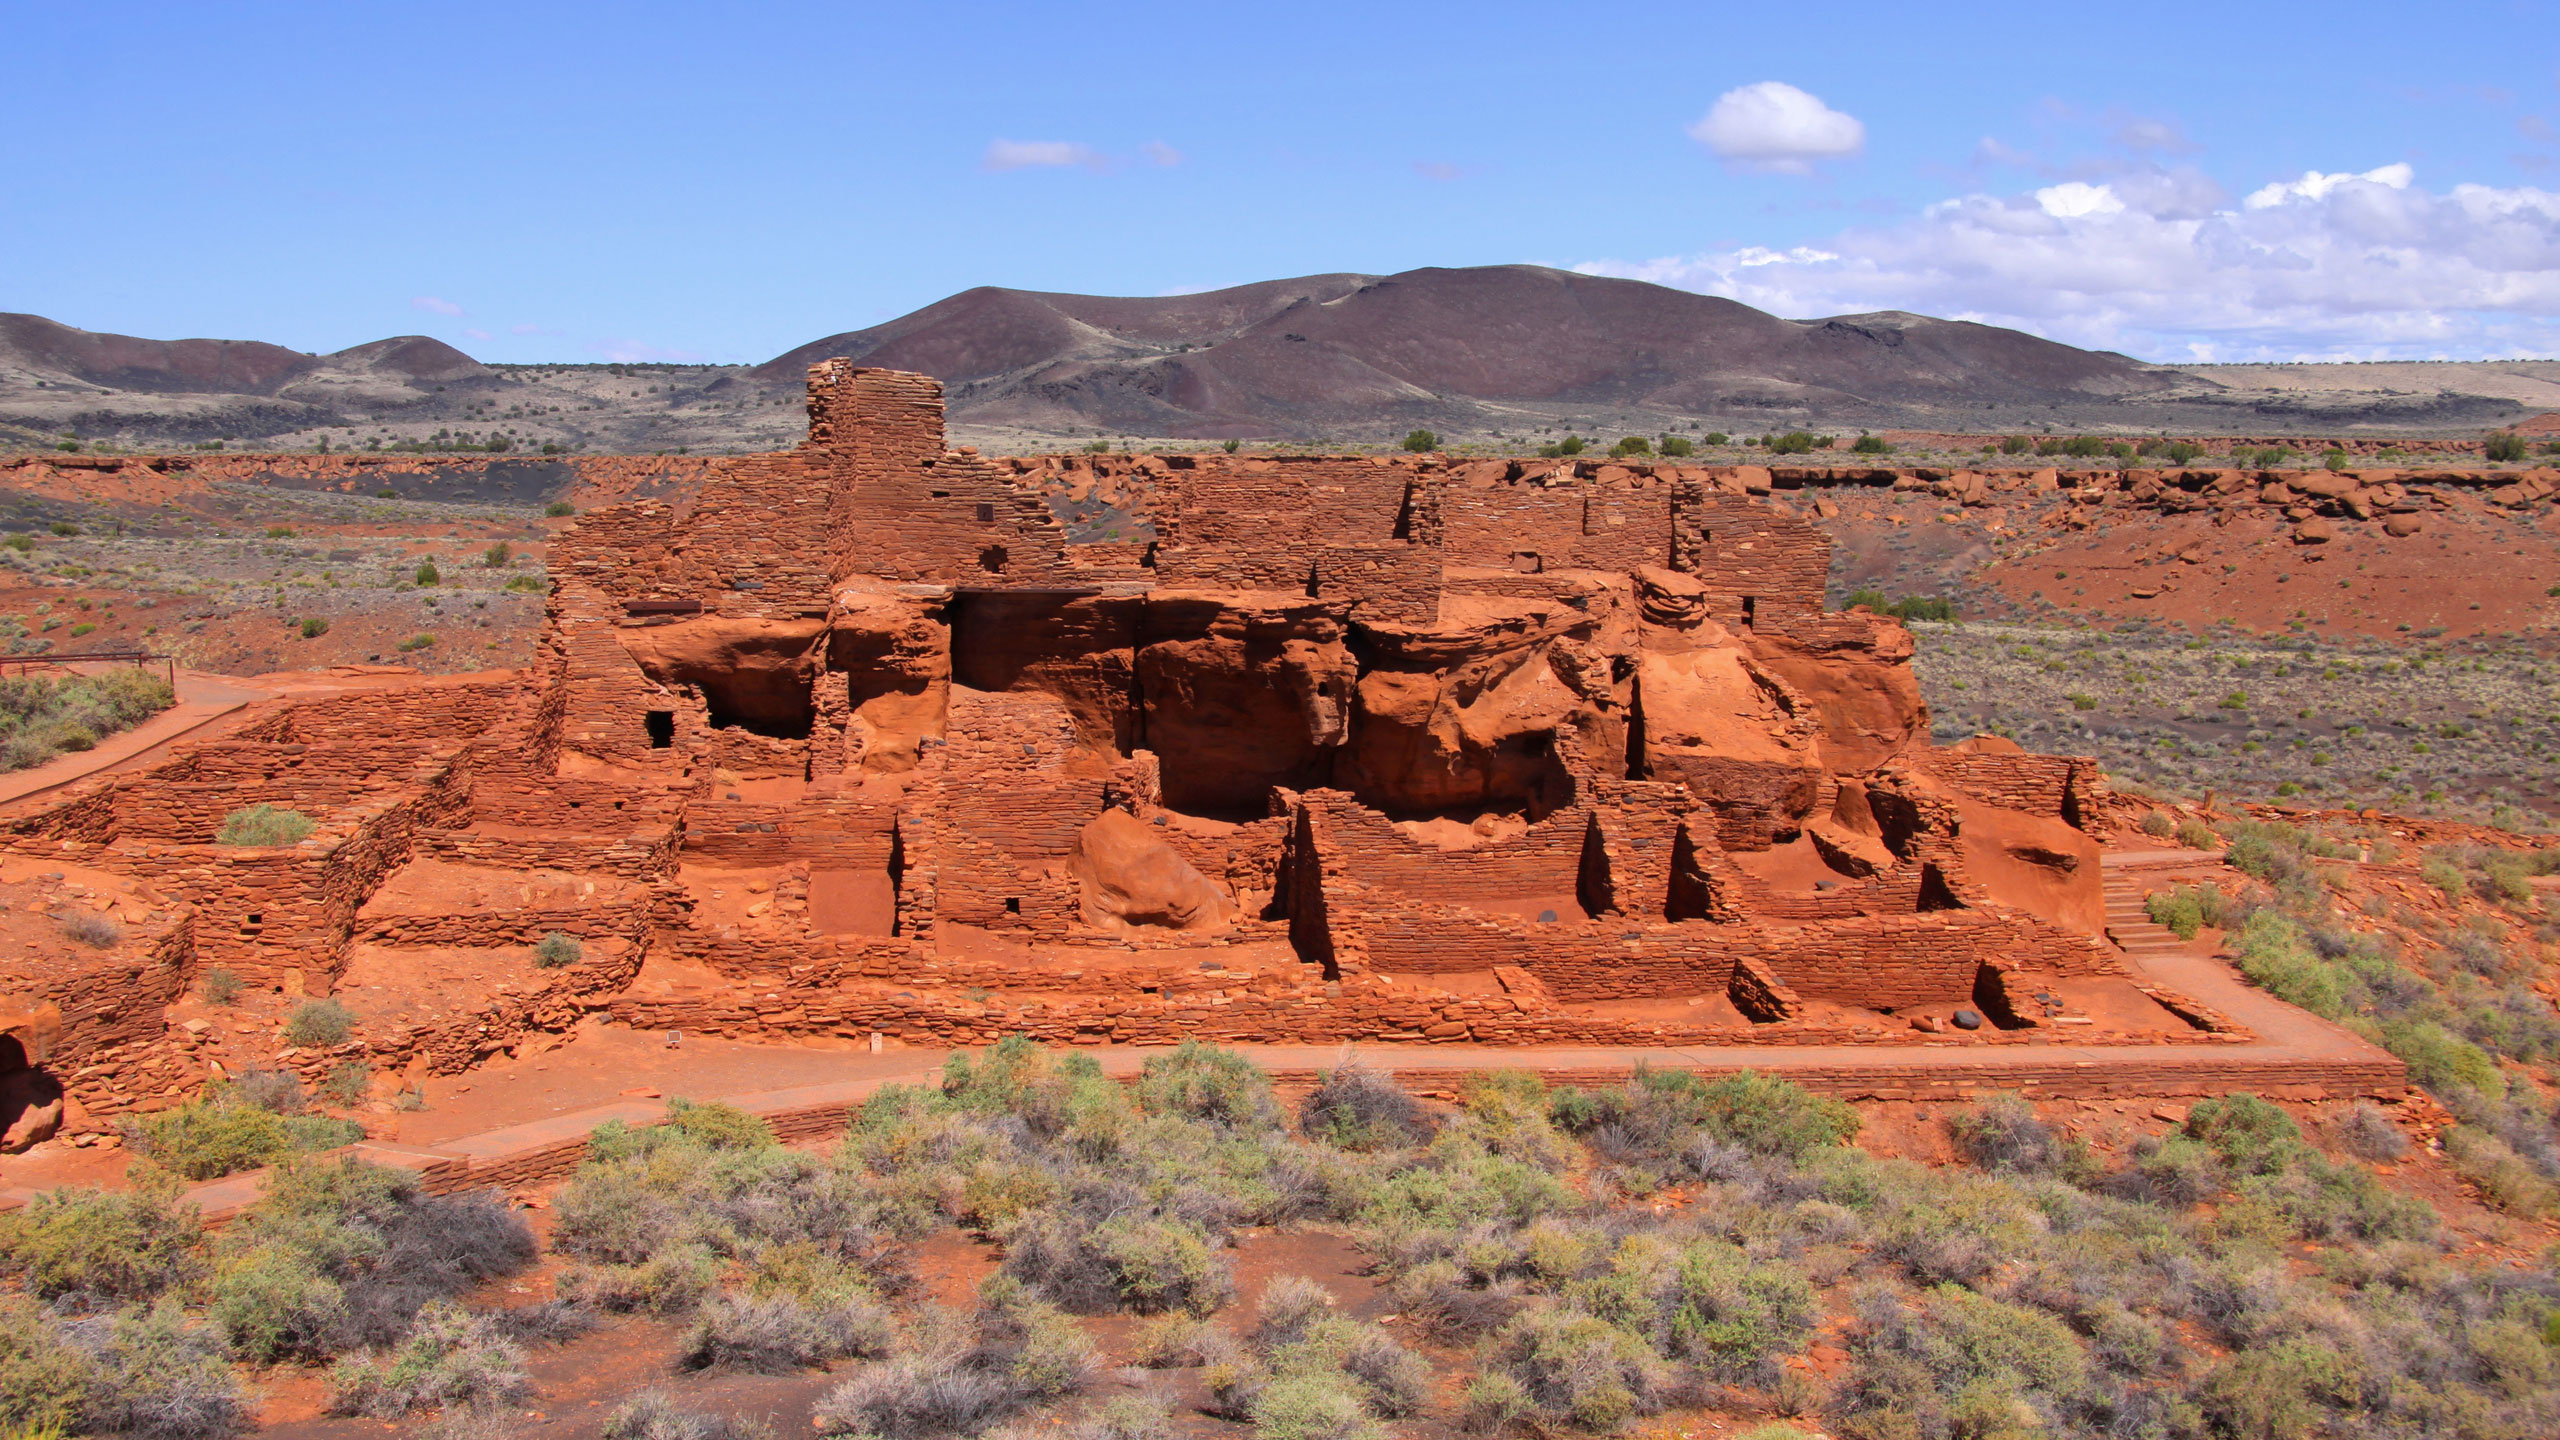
48 349
1449 346
124 362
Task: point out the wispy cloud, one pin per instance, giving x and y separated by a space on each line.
1038 154
1159 153
531 330
1775 126
434 306
471 334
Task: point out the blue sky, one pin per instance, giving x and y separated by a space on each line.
561 182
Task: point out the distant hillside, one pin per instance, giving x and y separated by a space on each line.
1494 356
1461 348
55 379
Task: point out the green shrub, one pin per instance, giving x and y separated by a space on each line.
1231 446
2281 1392
1961 1363
220 987
41 717
1679 447
2247 1134
141 1372
314 627
559 508
1314 1406
1706 1301
777 1333
1761 1113
2505 1178
415 643
1135 1262
2446 876
272 1303
712 1125
1566 1366
208 1139
453 1358
2157 825
263 824
2503 446
1421 441
348 1083
527 584
2440 1060
956 1381
123 1244
1631 445
2189 908
319 1024
426 573
497 556
558 949
44 1381
1871 445
2197 835
1360 1109
2182 452
1203 1082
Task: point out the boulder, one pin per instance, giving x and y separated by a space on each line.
1132 879
2314 531
2403 526
1669 597
30 1109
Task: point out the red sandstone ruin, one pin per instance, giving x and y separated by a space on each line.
855 743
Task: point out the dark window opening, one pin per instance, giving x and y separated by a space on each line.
661 725
1013 905
1636 767
992 559
249 923
986 513
1750 610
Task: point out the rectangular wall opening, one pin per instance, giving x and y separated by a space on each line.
661 725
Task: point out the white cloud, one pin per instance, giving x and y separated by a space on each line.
1032 154
2159 263
1775 126
434 306
1159 153
472 334
2074 198
2313 185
